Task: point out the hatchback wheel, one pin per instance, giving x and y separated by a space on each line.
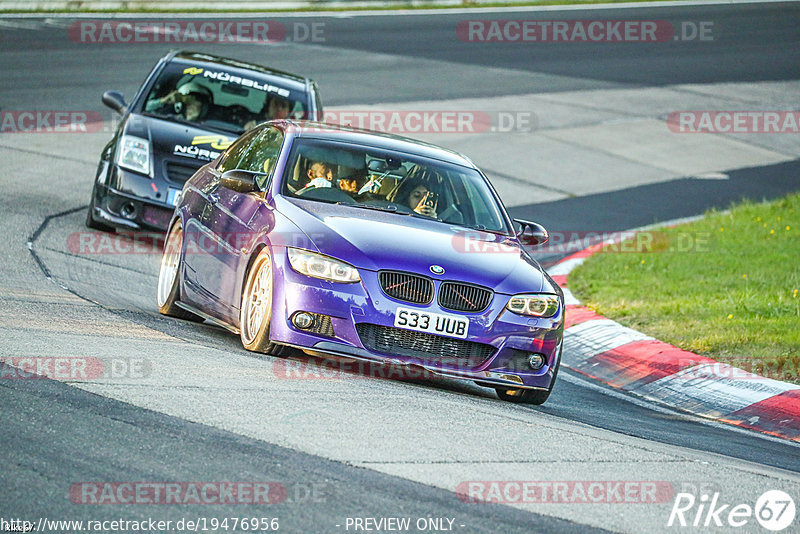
168 286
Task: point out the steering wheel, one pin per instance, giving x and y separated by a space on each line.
238 114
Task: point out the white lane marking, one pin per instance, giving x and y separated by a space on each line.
21 25
569 298
711 176
565 267
658 407
714 388
673 222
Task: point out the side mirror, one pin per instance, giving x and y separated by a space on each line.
531 233
240 181
115 101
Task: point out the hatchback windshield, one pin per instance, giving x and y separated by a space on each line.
370 178
221 99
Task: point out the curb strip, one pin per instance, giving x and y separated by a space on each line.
625 359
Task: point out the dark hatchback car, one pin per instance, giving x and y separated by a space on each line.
190 109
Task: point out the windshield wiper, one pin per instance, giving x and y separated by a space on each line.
388 209
421 216
170 117
236 130
181 120
391 209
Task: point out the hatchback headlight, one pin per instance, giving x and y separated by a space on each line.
535 304
319 266
134 154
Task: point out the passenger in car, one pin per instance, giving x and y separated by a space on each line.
320 174
276 107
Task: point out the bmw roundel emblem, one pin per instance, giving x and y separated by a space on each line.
437 269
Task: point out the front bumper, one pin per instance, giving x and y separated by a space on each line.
512 337
131 202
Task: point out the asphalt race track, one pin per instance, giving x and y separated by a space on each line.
205 410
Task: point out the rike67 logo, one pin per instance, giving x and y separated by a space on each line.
774 511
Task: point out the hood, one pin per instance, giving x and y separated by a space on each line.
178 148
376 240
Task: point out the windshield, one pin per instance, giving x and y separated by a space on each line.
221 99
364 177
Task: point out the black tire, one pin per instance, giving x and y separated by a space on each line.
530 396
255 312
168 287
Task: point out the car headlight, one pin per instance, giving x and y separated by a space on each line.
319 266
134 154
535 304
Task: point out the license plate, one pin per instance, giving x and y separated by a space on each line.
431 323
172 196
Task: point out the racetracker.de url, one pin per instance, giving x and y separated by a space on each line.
199 524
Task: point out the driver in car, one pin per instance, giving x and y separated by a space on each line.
191 101
277 108
415 193
352 183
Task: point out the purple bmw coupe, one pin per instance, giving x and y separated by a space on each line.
368 246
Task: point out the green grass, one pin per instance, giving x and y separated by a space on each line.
400 5
727 286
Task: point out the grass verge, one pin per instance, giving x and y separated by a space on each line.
726 287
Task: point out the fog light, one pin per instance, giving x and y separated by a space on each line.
128 210
303 320
536 361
